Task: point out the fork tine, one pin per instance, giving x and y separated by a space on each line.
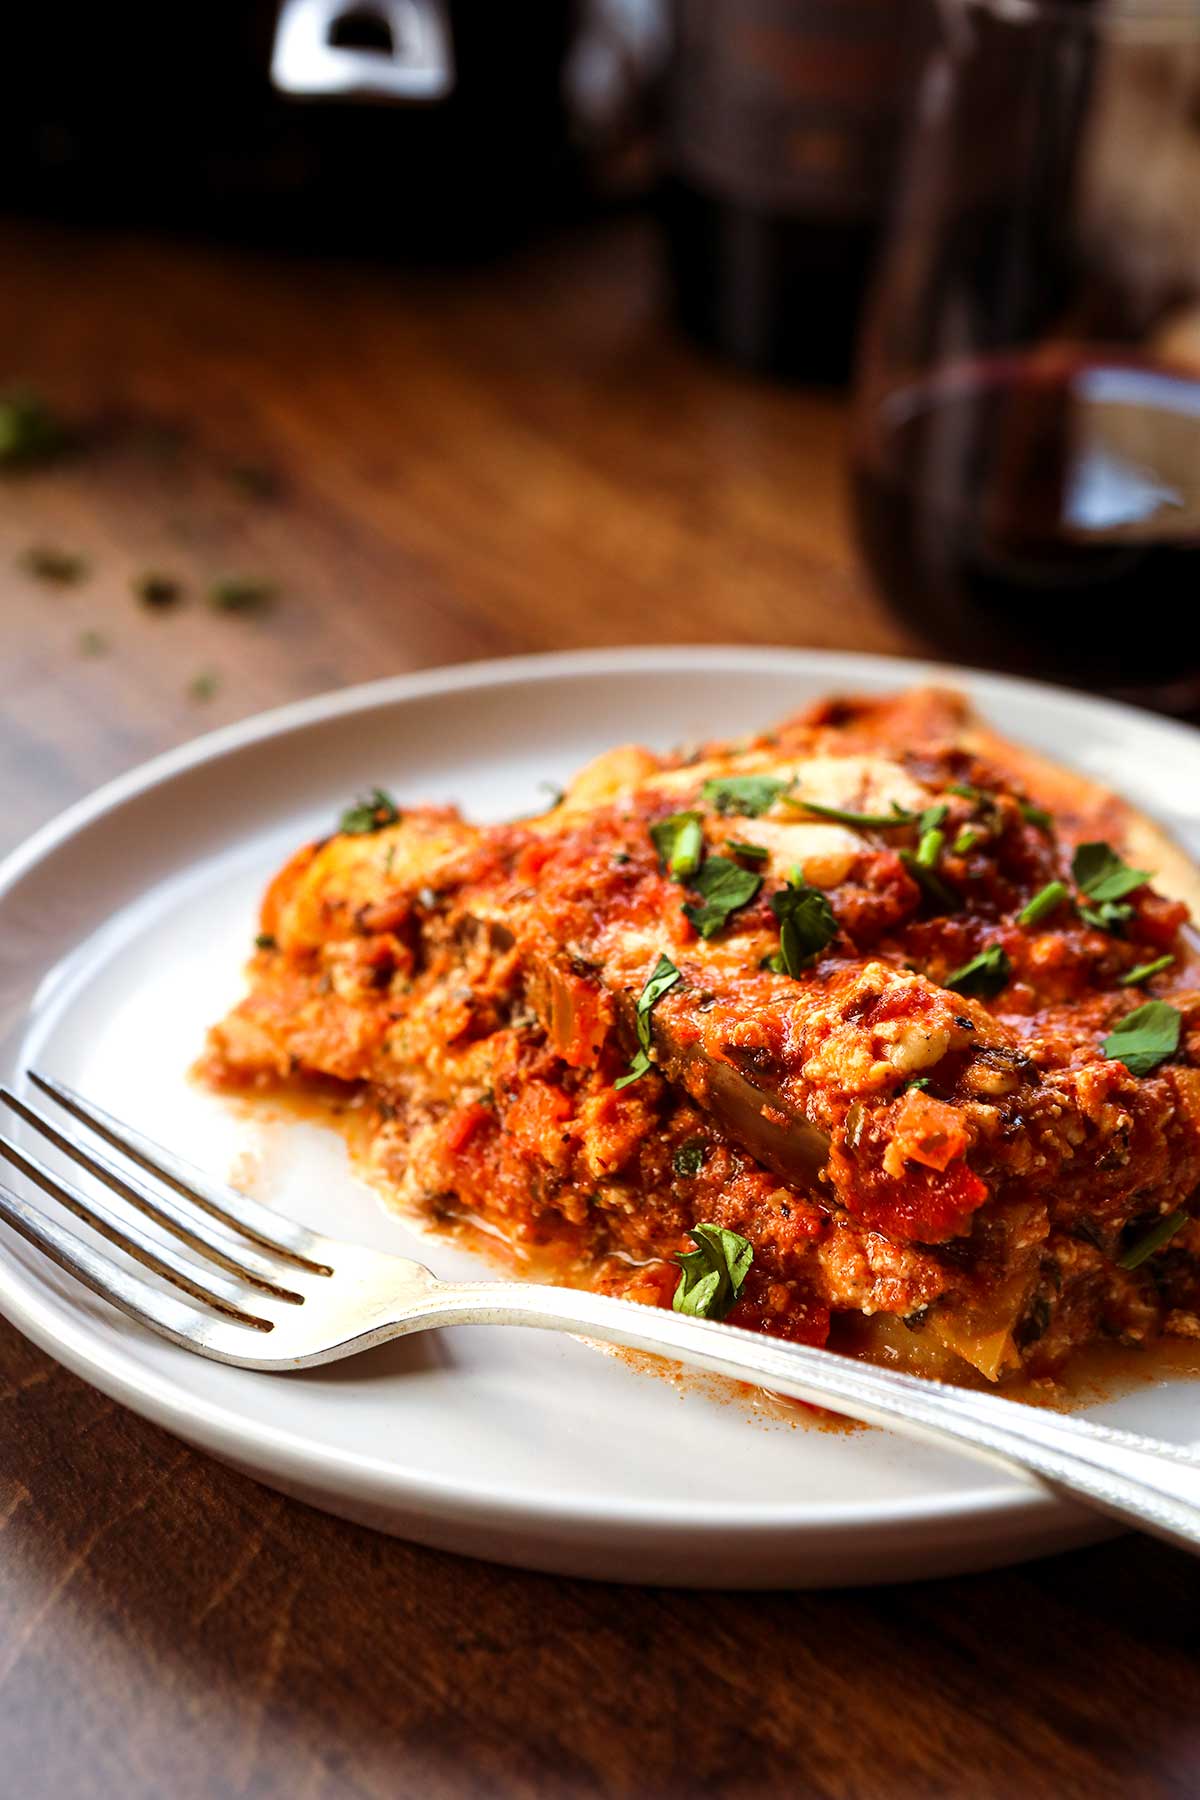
226 1204
200 1284
200 1232
184 1324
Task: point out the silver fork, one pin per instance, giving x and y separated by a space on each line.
263 1292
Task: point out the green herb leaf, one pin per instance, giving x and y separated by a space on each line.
932 817
723 888
241 594
264 941
1145 1037
1036 815
63 568
749 852
930 883
1110 917
1044 902
374 813
689 1158
979 795
806 925
1152 1240
679 841
714 1273
744 795
663 977
639 1065
1143 971
1102 876
917 1081
865 821
984 975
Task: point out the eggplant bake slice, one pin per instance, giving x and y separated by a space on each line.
866 1022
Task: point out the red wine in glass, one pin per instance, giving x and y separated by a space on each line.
1042 512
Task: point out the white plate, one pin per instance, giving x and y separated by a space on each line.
123 928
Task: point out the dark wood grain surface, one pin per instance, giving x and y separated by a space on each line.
521 459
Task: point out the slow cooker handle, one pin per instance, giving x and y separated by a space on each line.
414 60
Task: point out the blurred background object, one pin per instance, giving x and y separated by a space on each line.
778 148
1027 437
407 127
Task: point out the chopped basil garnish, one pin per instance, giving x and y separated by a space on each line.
1143 971
806 925
747 795
1145 1037
663 977
931 884
1044 902
689 1158
1035 815
1102 876
979 795
864 821
1110 917
680 844
748 852
714 1273
723 888
984 975
1151 1240
264 941
374 813
917 1081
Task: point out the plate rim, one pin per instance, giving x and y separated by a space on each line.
102 1360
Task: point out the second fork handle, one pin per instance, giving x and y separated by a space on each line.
1142 1482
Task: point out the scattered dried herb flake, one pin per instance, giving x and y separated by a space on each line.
46 562
241 594
157 591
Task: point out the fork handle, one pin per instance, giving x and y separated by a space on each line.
1144 1482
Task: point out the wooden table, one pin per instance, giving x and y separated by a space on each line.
522 459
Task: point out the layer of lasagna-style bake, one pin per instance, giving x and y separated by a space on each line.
872 1021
